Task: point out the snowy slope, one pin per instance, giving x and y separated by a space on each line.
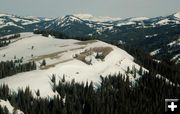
172 48
163 22
155 52
59 55
9 107
175 44
177 15
139 19
13 20
90 17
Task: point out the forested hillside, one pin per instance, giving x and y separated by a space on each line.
114 95
78 65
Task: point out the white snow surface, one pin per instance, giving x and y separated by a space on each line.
163 22
177 15
3 14
59 55
126 23
139 19
10 108
2 24
177 58
167 80
96 19
150 36
84 16
175 43
16 19
155 52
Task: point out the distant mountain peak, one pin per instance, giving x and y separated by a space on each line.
139 18
177 15
90 17
84 16
3 14
68 18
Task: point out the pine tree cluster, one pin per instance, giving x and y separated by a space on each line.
46 33
114 95
4 41
166 68
9 68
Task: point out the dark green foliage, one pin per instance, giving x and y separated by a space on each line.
136 37
4 91
53 80
46 33
114 95
4 41
38 93
140 71
4 110
165 68
100 56
43 62
10 68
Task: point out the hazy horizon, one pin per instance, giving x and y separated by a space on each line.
113 8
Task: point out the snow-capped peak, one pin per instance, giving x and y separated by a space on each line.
139 19
177 15
68 18
84 16
31 17
90 17
3 14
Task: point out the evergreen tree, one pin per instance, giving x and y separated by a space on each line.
43 62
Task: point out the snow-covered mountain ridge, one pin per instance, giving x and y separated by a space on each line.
62 60
90 17
9 22
177 15
144 30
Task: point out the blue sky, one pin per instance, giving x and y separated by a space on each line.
113 8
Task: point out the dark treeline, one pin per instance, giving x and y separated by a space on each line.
4 41
9 68
46 33
165 67
114 95
4 110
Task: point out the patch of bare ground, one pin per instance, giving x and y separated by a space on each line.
86 42
64 46
54 64
77 48
54 55
51 56
101 53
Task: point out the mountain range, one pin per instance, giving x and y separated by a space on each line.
158 36
139 56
